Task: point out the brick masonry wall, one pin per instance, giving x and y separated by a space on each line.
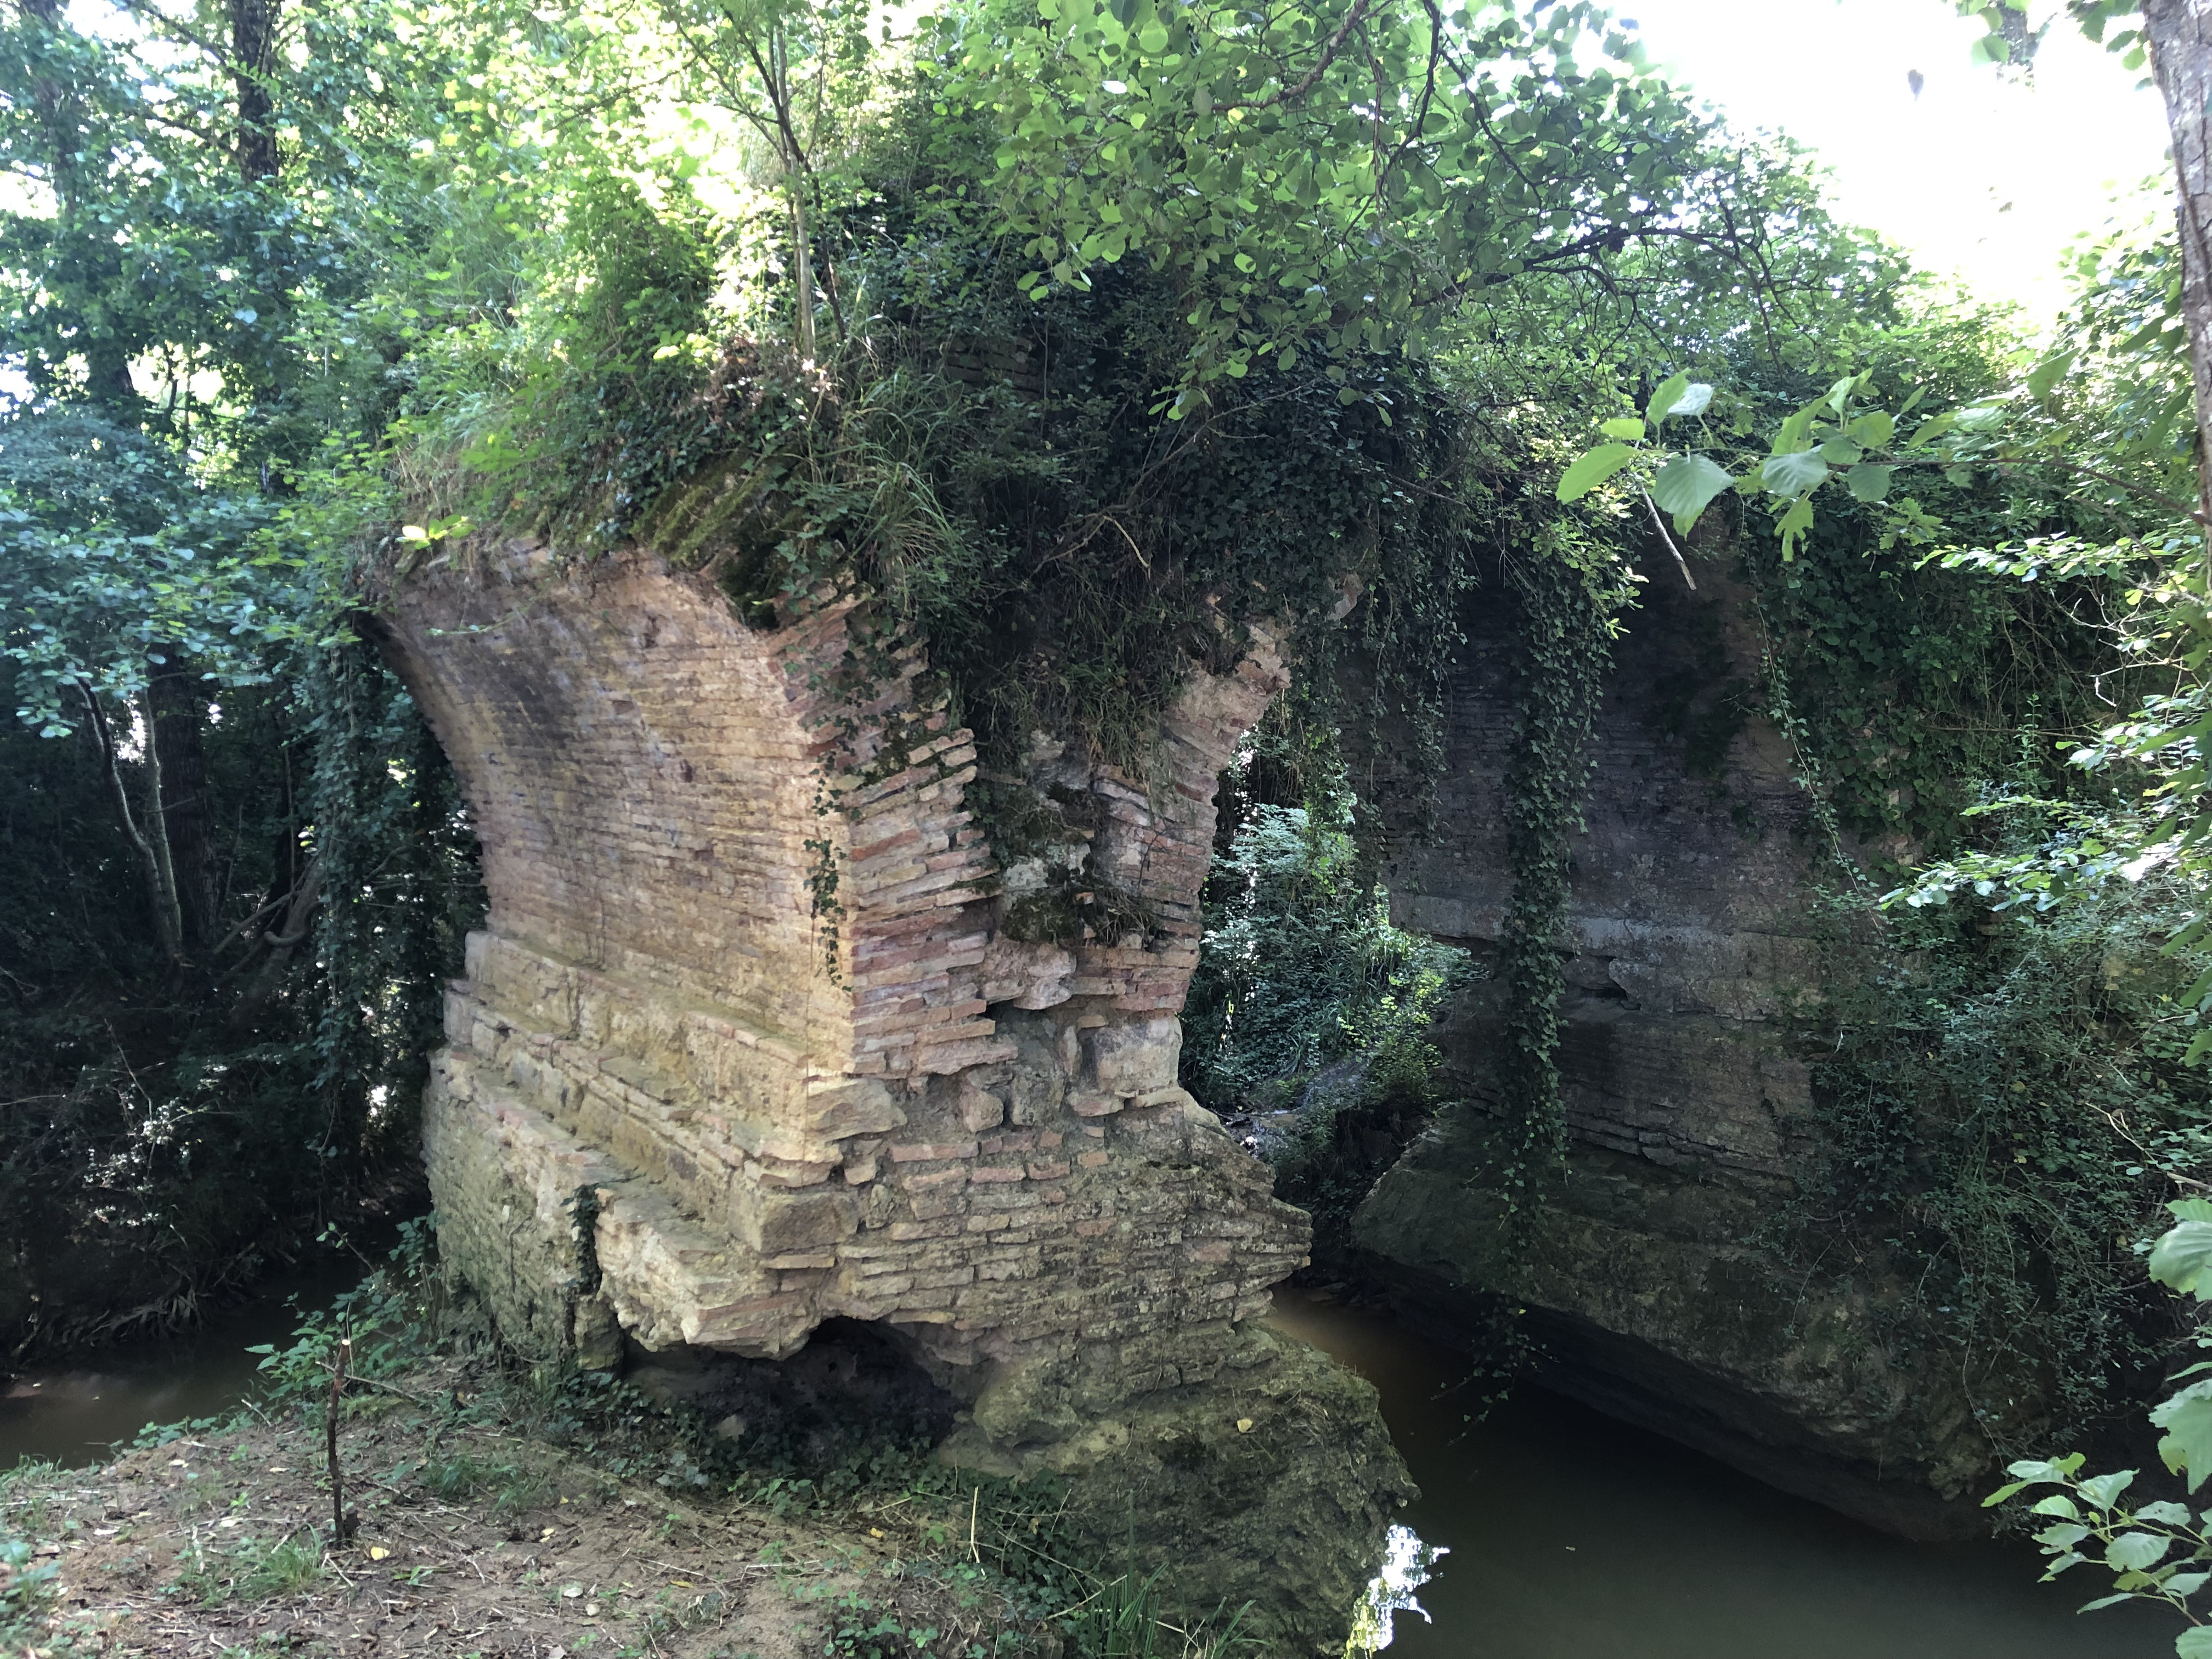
657 1112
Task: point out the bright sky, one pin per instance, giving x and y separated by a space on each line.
1979 176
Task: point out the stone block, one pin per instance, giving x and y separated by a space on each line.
1132 1058
980 1110
782 1223
839 1108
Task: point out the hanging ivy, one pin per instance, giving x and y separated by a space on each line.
1562 647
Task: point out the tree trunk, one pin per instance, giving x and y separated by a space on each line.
2180 36
152 851
157 835
253 60
777 78
178 711
290 932
803 263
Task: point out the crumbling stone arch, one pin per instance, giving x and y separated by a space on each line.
661 1120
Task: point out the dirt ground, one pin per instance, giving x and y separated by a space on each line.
470 1542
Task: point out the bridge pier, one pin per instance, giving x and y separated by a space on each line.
745 1047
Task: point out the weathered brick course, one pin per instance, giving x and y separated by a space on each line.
647 1022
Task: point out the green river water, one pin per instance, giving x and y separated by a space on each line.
1572 1536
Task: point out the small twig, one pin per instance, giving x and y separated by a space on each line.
975 1498
1334 45
341 1524
1681 563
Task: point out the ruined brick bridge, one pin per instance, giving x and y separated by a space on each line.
688 1108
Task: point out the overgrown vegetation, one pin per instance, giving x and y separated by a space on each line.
849 1527
1080 345
1308 1016
2005 1103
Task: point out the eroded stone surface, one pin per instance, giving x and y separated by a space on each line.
1658 1282
660 1117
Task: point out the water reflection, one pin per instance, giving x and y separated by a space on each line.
1571 1536
72 1413
1406 1564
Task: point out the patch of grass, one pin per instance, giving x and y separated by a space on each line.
27 1499
27 1592
1123 1619
512 1486
251 1570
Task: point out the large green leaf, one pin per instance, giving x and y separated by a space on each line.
2137 1552
1685 484
1624 426
2187 1420
2194 1643
1672 390
2182 1258
2103 1490
1867 481
1794 475
1874 428
1593 470
2046 374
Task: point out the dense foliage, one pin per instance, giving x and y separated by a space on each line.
1081 343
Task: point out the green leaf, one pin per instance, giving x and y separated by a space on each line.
1794 475
2048 373
1841 450
2173 1515
1671 392
1874 429
2194 1643
2187 1420
2182 1258
1684 485
1868 482
1625 426
2057 1504
2137 1552
2063 1536
2186 1583
1694 401
1792 526
2103 1490
2105 1601
1593 470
